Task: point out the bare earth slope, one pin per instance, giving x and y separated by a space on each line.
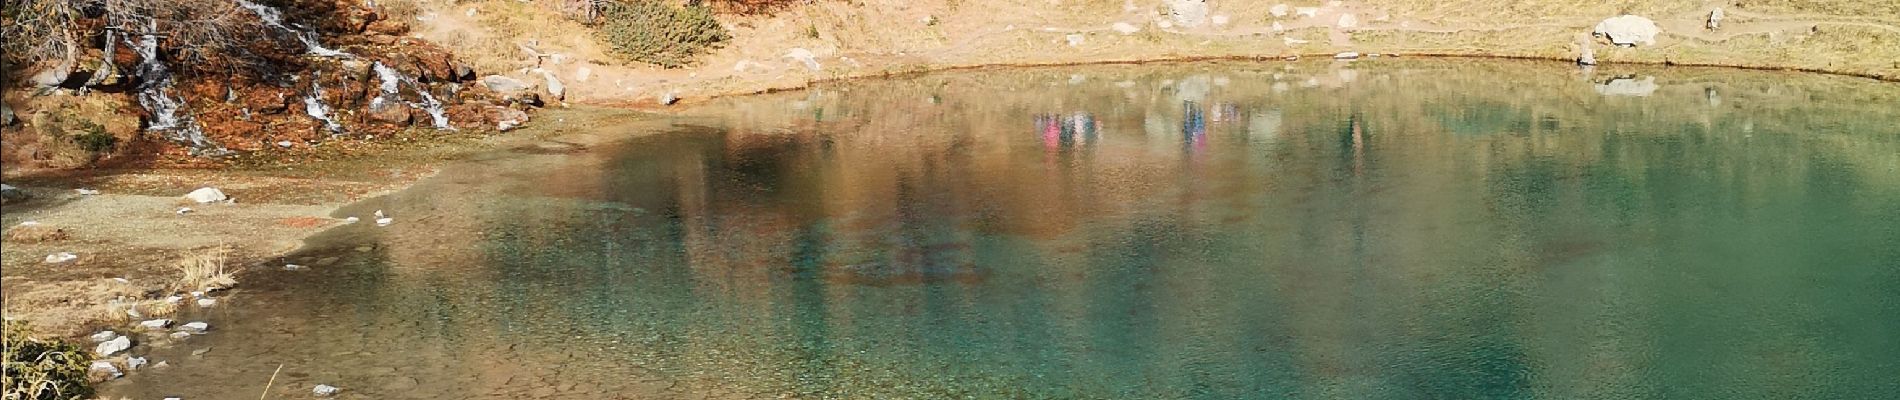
878 37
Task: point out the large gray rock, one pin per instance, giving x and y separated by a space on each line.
114 346
1188 13
1628 30
804 56
556 90
9 194
206 195
104 370
503 84
390 112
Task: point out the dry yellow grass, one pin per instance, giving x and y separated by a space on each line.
206 270
35 234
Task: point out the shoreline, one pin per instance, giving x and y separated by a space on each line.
768 88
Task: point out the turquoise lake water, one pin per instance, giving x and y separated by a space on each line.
1385 229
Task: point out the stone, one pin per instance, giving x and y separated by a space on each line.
206 195
104 336
505 119
1125 28
327 390
55 74
104 370
293 267
1074 39
1715 18
195 327
804 56
390 112
200 352
207 302
114 346
180 335
1350 55
1187 13
86 192
503 84
1280 10
555 89
1348 21
9 194
1628 30
1587 56
60 257
669 98
1307 12
464 72
135 362
156 324
1218 20
161 364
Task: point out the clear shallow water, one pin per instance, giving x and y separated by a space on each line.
1386 229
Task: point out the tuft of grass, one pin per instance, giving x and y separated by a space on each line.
652 32
35 234
40 369
206 270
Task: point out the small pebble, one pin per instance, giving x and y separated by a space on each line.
293 267
184 210
87 192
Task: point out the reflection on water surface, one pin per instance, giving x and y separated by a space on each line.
1384 229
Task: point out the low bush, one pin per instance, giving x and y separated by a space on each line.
652 32
38 369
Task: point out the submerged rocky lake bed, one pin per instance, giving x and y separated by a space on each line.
1386 228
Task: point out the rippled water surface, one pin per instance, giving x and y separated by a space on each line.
1386 229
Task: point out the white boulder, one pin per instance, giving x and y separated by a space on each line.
503 84
156 324
324 390
195 328
60 257
104 336
104 370
555 89
114 346
1188 13
206 195
1628 30
804 56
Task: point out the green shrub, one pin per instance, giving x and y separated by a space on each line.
43 369
651 32
94 138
